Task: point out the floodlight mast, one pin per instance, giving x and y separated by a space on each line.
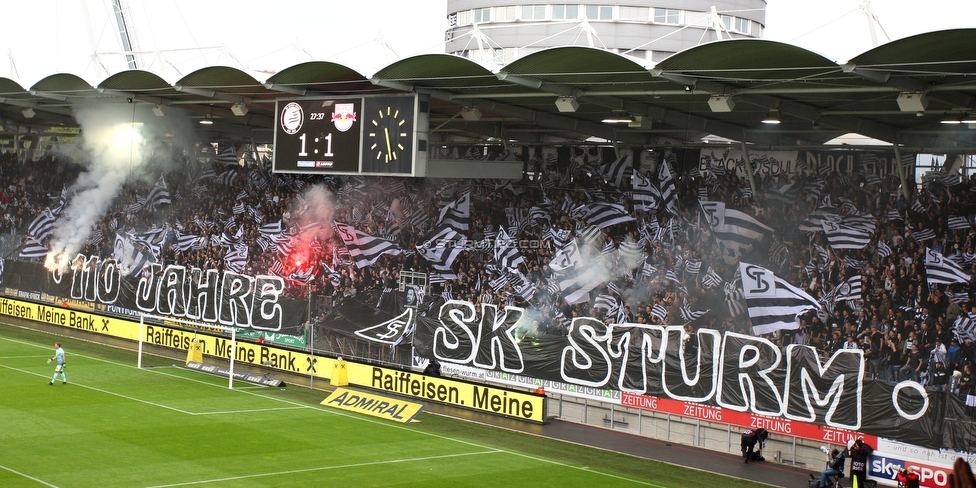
872 19
121 10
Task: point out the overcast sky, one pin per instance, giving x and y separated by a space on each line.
44 37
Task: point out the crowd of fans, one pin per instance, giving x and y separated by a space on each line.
905 326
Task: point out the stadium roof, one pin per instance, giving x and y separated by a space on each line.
816 98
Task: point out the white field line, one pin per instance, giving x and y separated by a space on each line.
325 468
14 471
139 400
147 402
332 411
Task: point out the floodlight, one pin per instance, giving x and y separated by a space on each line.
471 114
912 102
567 104
772 117
619 118
721 103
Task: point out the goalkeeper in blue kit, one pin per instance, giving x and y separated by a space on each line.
59 369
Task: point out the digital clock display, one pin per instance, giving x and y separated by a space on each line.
318 136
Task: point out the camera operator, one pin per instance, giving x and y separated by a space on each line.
859 453
835 467
749 440
908 478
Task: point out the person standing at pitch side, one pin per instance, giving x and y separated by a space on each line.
59 369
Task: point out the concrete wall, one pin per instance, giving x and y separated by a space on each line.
709 435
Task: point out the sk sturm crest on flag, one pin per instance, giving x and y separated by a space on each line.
772 303
938 269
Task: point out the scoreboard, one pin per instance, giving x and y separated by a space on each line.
376 135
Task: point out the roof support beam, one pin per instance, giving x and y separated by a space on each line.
542 118
946 95
135 96
214 94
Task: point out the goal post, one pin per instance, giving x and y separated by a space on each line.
189 326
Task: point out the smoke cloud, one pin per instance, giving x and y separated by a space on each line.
118 139
312 214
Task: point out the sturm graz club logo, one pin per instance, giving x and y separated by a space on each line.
292 118
390 332
844 289
759 282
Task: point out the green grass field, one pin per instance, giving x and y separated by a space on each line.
114 425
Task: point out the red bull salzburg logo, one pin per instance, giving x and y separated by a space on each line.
344 116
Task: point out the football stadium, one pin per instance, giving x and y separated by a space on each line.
576 268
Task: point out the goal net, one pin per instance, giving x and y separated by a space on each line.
174 333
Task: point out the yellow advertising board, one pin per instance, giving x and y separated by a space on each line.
475 396
375 405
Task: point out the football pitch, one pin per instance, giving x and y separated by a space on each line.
114 425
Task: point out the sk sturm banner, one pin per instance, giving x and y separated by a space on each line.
713 370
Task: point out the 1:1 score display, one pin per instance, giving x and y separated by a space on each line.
328 147
318 136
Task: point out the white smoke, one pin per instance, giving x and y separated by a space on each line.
116 137
313 214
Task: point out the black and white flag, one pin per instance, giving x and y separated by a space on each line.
922 235
850 289
227 157
390 332
734 299
659 312
894 216
457 214
736 231
957 297
131 260
669 192
42 226
602 214
33 249
439 247
883 249
646 196
958 223
687 314
710 279
964 328
843 236
615 171
772 303
507 253
364 249
158 196
938 269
